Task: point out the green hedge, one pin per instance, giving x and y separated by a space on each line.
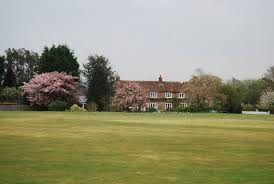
10 94
57 105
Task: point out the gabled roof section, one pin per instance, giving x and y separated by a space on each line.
157 86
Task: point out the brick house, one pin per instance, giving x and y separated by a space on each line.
163 95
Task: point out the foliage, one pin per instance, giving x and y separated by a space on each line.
178 109
59 58
204 89
251 90
242 92
38 108
10 78
267 100
248 107
151 109
195 107
24 64
2 70
269 77
23 98
76 108
101 81
48 87
219 105
10 94
57 105
130 96
234 97
92 106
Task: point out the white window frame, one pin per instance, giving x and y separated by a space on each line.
183 105
168 106
153 95
168 95
153 105
181 95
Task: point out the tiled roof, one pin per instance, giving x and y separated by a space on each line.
156 86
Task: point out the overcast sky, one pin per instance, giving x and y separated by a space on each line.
145 38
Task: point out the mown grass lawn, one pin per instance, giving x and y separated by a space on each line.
135 148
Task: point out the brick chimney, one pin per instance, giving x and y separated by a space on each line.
160 79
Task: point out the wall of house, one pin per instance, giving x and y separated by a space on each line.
161 100
161 87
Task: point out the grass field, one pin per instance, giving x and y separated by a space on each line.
130 148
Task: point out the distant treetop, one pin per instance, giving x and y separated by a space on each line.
59 58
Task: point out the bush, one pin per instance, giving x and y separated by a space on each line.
152 109
248 107
218 105
271 109
57 105
185 109
92 106
75 108
177 109
193 108
37 108
10 94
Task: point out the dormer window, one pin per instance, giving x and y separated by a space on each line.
168 95
153 95
181 95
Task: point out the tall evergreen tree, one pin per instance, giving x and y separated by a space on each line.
59 58
10 78
100 81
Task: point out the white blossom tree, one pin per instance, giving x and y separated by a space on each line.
267 99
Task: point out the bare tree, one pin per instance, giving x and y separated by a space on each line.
269 77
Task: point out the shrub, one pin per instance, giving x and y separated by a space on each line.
37 108
218 105
248 107
75 108
184 109
193 107
57 105
181 109
152 109
271 109
92 106
10 94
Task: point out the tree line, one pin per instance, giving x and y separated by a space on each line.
210 92
19 67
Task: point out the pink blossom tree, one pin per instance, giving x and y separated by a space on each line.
47 87
130 96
